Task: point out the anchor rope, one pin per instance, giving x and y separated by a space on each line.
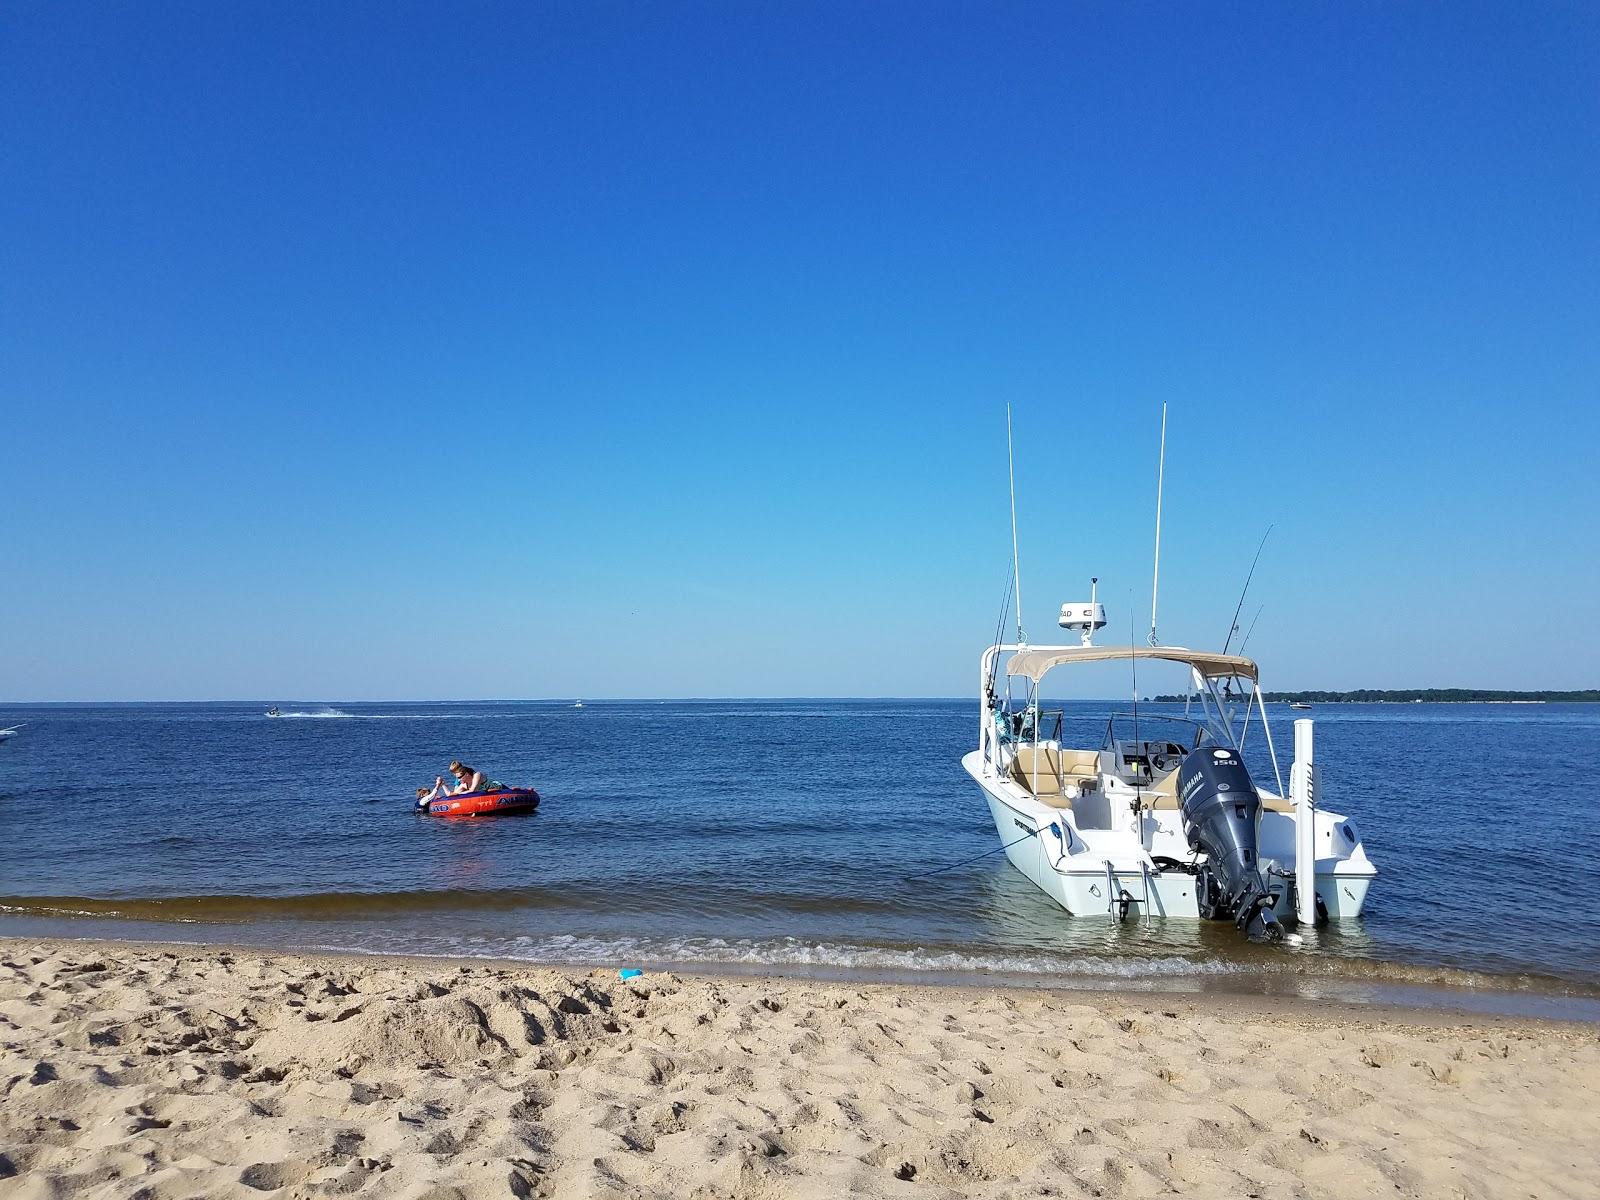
963 862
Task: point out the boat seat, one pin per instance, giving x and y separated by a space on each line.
1162 795
1055 769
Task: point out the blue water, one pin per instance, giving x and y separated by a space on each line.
759 834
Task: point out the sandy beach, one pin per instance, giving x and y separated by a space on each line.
163 1071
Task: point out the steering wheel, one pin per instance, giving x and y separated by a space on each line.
1159 762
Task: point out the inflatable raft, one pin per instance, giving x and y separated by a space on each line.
484 804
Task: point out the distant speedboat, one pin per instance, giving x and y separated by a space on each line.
579 704
7 734
1298 704
272 712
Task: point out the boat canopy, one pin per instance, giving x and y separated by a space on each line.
1037 661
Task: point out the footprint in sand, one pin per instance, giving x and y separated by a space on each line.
270 1176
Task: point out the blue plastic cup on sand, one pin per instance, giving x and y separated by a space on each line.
629 973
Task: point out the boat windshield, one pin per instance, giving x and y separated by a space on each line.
1184 732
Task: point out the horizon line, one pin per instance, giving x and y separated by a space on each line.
730 698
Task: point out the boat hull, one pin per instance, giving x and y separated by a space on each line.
1044 845
1083 891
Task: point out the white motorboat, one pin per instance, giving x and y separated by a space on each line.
7 734
1161 818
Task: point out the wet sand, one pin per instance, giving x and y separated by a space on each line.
150 1071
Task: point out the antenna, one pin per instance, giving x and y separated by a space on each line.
1245 591
1155 578
1016 564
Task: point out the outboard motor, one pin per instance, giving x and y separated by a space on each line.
1219 806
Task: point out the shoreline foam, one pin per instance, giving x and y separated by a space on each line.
1308 975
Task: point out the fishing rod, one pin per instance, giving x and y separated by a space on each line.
1133 666
1251 630
1245 591
999 632
1005 600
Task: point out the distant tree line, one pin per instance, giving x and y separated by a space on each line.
1427 696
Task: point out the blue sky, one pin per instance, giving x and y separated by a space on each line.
400 351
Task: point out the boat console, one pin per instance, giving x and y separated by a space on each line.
1144 750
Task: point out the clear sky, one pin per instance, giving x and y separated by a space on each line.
420 350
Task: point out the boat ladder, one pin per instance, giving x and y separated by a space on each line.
1119 899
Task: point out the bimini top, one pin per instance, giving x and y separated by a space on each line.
1036 662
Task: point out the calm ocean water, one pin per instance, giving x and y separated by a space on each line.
768 835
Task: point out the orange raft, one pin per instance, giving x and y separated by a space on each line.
485 804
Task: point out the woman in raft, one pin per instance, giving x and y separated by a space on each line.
468 779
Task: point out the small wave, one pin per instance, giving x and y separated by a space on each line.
795 952
1298 972
569 949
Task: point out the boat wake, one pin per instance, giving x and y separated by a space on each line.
325 713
